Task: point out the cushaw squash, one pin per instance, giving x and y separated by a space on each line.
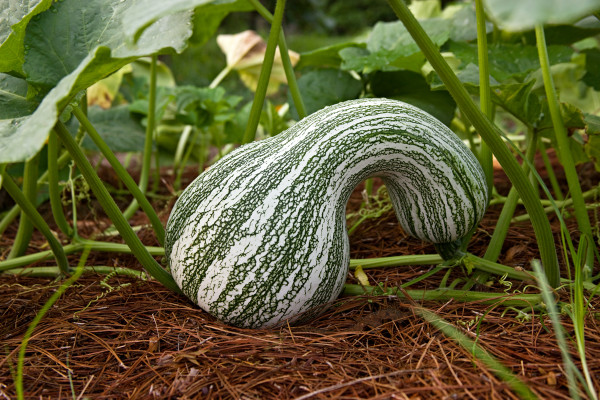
260 237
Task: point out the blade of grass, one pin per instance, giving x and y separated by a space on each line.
38 317
502 372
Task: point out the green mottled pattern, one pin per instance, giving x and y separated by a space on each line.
260 237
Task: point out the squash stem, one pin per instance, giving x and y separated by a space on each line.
113 211
54 187
287 63
492 136
32 214
25 229
265 73
564 148
147 155
485 98
503 224
558 195
159 230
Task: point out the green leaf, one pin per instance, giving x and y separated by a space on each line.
519 100
24 137
325 57
324 87
518 15
391 47
120 131
14 17
573 118
592 146
509 60
13 98
144 13
208 18
412 88
592 66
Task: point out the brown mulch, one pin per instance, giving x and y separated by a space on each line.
118 337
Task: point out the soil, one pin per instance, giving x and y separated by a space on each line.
117 337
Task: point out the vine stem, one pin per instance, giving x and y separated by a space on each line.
485 98
25 229
53 187
113 211
265 73
149 139
29 210
138 193
36 320
285 59
492 136
564 148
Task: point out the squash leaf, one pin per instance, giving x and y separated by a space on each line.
66 67
14 17
592 146
519 15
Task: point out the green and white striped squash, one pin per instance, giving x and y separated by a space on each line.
260 237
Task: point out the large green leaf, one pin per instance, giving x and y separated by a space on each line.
412 88
509 60
519 100
592 66
391 47
14 17
517 15
324 87
23 138
143 14
120 131
14 102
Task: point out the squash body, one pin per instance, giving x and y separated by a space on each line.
260 237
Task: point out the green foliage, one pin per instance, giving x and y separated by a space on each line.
324 87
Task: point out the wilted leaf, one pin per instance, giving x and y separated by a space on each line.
245 53
103 92
518 15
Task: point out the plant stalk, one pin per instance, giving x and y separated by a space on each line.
138 193
564 148
148 141
54 187
25 230
492 136
285 59
265 73
29 210
113 211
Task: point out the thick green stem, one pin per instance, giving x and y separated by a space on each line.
25 230
485 97
265 73
34 216
491 135
590 194
79 244
149 140
521 300
54 187
159 230
418 259
53 272
285 58
564 148
503 224
113 211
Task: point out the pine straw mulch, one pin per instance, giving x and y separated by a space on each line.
120 337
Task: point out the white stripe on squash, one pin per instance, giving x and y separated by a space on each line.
260 237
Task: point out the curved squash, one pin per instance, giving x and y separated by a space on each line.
260 237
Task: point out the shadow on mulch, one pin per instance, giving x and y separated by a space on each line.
117 337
